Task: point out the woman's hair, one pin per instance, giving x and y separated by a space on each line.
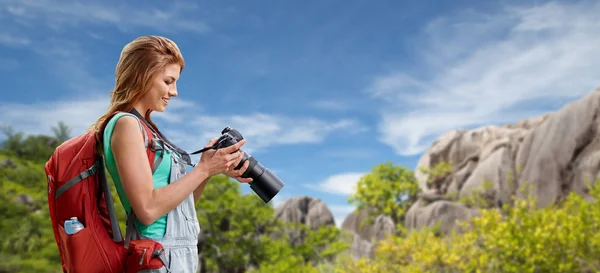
140 62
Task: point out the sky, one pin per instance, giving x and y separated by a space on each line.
323 91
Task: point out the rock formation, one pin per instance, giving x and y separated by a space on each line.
304 210
545 157
364 235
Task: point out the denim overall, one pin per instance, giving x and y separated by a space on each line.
181 236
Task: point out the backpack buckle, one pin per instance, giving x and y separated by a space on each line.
157 144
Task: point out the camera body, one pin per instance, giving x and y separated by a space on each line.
264 183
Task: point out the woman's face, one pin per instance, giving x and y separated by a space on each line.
162 88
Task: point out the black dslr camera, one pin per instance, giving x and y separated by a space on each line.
264 183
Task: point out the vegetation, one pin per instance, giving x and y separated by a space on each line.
28 243
240 233
388 190
518 238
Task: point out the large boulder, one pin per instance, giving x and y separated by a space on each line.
445 213
365 235
306 210
545 157
303 210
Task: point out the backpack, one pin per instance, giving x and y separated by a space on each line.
77 187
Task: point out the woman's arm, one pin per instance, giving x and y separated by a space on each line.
136 175
231 173
198 191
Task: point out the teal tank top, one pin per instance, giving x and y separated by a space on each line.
160 179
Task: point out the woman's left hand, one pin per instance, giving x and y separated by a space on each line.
237 174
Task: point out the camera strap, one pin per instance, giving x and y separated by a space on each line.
184 155
204 149
216 146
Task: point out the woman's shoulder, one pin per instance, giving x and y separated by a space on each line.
123 119
124 125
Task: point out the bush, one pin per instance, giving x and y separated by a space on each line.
521 238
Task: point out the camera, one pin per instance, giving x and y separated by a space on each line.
264 183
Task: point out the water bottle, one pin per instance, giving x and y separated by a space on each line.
73 226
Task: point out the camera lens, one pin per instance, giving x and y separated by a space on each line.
266 186
264 182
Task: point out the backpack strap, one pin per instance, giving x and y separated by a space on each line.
78 178
114 222
150 151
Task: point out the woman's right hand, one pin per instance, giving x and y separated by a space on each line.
214 162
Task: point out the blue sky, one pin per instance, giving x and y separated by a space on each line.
322 90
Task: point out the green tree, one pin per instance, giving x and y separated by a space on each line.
36 148
13 140
389 190
241 232
62 132
233 226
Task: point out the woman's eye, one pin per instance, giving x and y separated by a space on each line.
168 82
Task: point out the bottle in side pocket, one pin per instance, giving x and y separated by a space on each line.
73 226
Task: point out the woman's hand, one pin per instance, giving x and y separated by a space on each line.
237 174
223 160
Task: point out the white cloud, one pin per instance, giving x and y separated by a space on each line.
490 68
179 111
346 153
57 15
339 184
39 118
265 130
334 105
10 40
182 124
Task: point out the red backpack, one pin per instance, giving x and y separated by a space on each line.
77 187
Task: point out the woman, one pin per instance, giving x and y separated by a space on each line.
161 199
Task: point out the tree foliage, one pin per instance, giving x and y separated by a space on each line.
387 190
33 148
239 231
520 238
28 243
62 132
